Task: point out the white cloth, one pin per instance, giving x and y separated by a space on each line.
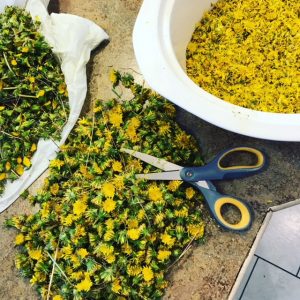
72 39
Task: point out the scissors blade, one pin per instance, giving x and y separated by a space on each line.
172 175
204 184
152 160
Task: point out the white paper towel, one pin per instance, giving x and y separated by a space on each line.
72 39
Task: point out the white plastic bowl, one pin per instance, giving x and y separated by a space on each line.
161 33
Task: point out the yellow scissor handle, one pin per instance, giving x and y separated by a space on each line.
258 154
246 218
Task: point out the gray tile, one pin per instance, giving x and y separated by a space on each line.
280 243
271 283
244 279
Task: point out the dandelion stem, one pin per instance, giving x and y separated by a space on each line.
12 136
26 96
10 88
51 276
6 61
183 253
59 268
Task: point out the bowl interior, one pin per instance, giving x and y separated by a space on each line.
183 19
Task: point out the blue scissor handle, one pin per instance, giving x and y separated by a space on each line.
214 170
215 202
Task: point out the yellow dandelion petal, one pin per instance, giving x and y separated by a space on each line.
84 285
154 193
13 62
147 274
31 79
54 189
110 258
174 185
163 255
108 190
25 49
141 215
57 297
115 118
190 192
56 163
79 207
109 235
133 233
26 162
167 239
20 239
117 166
116 287
82 252
110 223
196 230
33 148
109 205
40 93
113 76
2 176
20 170
133 223
35 254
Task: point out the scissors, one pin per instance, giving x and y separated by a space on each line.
200 177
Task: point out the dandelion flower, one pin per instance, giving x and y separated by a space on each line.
133 233
189 193
79 207
109 205
113 77
3 176
82 252
115 118
110 258
108 190
155 193
163 255
20 170
19 239
25 49
196 230
26 162
133 223
106 249
35 254
84 285
33 148
40 93
148 274
57 297
56 163
167 239
7 166
116 287
54 189
174 185
117 166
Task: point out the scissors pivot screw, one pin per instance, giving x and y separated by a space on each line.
189 174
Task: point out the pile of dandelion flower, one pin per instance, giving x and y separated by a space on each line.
33 94
101 233
247 52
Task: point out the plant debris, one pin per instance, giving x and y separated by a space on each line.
247 52
33 93
101 233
